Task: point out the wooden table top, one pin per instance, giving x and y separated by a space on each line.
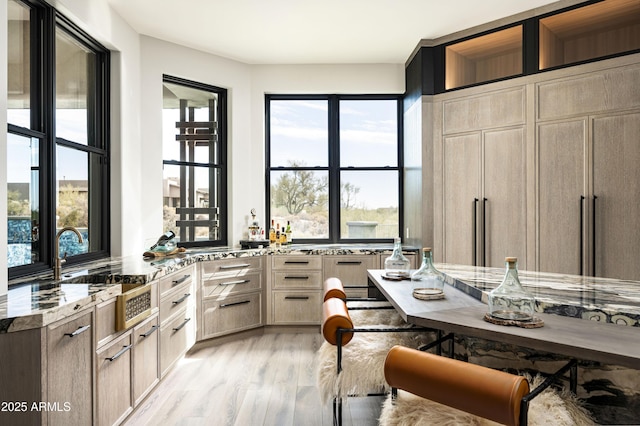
462 314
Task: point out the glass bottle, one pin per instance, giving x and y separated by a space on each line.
397 265
427 281
510 301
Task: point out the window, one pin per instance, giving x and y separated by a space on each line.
57 141
194 162
334 166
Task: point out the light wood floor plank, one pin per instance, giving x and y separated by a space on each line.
267 379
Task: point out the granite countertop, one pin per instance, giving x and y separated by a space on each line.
37 301
597 299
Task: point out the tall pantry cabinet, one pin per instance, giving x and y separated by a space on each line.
544 167
588 138
484 178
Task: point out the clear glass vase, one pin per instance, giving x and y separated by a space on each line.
510 301
427 282
397 265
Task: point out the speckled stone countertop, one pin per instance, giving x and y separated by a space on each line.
596 299
37 301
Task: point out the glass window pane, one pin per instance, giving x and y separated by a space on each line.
75 78
197 218
190 124
301 197
72 204
299 133
23 210
368 133
19 65
369 204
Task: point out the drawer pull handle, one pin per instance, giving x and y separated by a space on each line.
296 297
150 332
296 262
182 299
350 262
181 280
226 305
80 330
235 282
296 277
186 320
120 353
242 265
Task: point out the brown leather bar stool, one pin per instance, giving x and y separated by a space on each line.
364 310
351 360
445 391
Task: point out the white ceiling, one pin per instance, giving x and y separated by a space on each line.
311 31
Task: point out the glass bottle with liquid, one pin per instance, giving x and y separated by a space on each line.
427 282
510 301
397 265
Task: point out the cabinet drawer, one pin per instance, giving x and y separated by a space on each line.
229 314
175 338
297 307
231 285
175 300
296 262
171 281
293 279
231 267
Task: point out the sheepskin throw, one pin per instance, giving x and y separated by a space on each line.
551 407
362 362
365 317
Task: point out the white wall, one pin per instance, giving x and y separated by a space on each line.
138 63
246 85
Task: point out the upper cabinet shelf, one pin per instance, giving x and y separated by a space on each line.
600 29
589 31
484 58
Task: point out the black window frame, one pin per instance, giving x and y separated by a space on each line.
221 165
334 168
45 20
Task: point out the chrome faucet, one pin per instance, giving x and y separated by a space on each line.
57 262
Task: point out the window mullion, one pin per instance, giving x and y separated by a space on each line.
334 168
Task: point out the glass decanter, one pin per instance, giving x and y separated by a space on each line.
510 301
427 282
397 265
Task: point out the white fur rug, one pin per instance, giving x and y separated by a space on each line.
550 408
362 362
366 317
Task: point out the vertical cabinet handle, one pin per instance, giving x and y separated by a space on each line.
484 232
475 232
580 249
594 235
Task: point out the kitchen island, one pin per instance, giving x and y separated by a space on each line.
593 320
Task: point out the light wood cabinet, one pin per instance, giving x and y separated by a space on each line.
351 270
113 380
145 370
177 316
69 370
231 296
52 365
295 288
615 213
561 196
485 197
